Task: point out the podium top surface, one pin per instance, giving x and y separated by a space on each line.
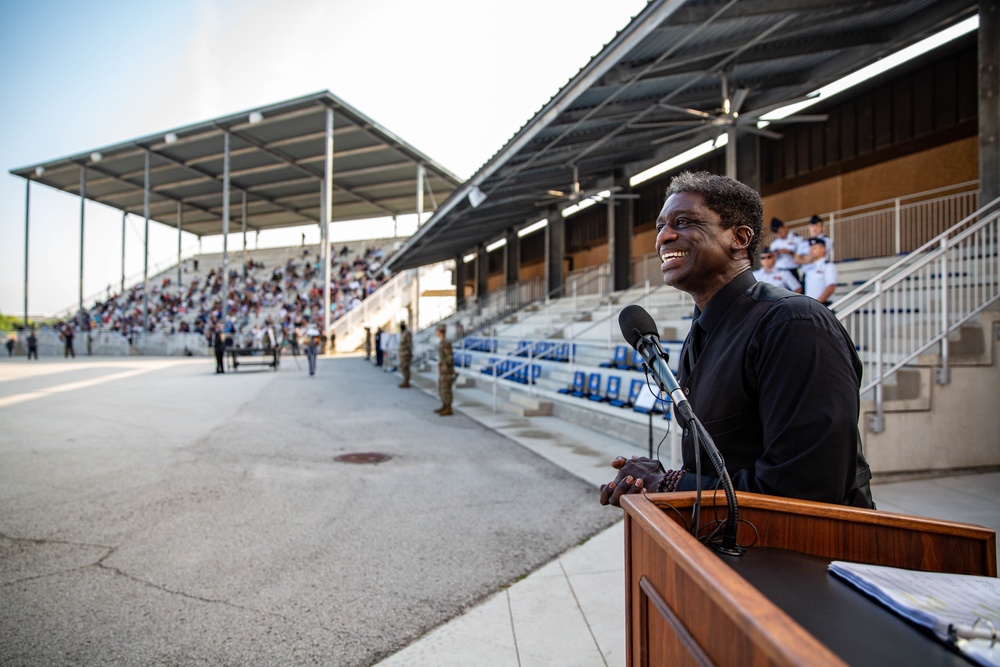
856 628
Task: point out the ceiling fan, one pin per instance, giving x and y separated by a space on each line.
729 119
572 195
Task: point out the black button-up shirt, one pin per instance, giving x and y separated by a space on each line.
776 385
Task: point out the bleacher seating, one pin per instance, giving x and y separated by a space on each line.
620 358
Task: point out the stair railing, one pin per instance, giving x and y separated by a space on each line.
913 305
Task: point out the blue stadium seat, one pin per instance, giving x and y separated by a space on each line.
613 389
491 366
620 358
578 386
633 393
594 386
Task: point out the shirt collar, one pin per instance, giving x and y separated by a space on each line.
719 304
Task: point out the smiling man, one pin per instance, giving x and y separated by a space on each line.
772 375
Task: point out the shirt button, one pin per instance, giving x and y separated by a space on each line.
686 433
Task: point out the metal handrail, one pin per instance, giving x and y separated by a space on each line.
910 307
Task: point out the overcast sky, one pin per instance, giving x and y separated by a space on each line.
454 79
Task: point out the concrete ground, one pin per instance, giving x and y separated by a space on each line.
154 513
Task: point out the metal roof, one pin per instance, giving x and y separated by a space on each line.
276 157
619 112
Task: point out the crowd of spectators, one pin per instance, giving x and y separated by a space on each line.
281 298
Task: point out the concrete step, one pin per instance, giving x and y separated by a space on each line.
526 406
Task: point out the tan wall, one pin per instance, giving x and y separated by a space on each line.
587 258
532 271
643 243
494 282
937 167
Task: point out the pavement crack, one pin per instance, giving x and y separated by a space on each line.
47 541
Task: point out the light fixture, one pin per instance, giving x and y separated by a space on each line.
39 170
468 258
255 117
533 227
496 245
96 156
476 196
680 159
170 138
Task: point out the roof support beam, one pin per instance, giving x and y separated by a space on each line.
225 226
141 186
295 164
27 226
326 199
124 217
180 228
206 174
83 201
145 248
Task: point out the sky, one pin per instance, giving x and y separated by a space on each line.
455 79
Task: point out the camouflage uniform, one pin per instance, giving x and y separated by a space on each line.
446 372
405 354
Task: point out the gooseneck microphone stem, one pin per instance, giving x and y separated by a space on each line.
639 330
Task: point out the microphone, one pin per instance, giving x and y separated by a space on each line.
639 331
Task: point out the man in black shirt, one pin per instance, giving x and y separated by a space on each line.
772 375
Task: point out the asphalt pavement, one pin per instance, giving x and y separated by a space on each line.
155 513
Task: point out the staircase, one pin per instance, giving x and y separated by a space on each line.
926 329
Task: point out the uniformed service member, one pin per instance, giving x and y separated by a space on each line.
405 353
446 371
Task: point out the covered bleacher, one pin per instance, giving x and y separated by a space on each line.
553 235
310 160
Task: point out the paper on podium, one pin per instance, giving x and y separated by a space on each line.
962 610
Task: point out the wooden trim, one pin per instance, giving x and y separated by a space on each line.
649 594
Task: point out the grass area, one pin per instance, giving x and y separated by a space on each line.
13 322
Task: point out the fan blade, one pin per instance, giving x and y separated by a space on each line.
804 118
691 112
753 129
669 123
738 99
678 135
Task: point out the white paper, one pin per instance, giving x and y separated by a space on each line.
942 602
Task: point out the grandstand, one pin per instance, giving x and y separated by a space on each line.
898 183
561 355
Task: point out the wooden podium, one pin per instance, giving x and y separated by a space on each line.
687 605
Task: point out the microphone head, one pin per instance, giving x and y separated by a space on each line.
635 323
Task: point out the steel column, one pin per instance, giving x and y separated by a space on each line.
83 201
124 215
180 225
989 100
555 254
145 247
225 226
420 195
27 217
326 214
244 230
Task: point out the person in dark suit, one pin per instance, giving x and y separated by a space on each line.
219 344
771 374
379 352
32 344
